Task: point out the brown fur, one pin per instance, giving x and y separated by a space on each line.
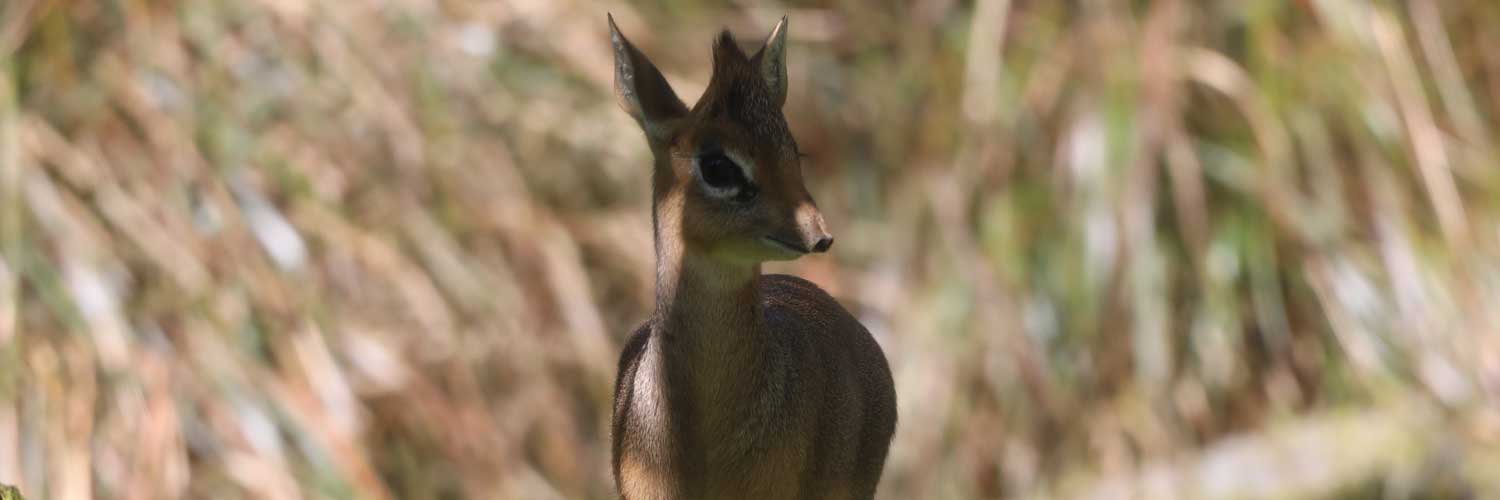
741 385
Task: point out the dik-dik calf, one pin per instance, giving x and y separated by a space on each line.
740 385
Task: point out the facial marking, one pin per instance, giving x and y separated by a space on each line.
725 174
747 167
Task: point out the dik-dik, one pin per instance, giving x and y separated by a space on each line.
741 385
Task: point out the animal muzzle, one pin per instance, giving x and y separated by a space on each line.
811 230
804 231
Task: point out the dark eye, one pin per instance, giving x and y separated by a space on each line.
719 171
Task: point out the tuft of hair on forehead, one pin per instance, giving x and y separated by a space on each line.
727 52
737 91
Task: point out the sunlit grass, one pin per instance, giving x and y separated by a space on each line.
389 250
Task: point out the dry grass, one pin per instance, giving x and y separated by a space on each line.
306 249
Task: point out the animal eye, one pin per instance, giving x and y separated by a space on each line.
719 171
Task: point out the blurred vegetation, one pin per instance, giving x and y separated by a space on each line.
308 249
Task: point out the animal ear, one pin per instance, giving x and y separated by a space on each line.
772 62
641 89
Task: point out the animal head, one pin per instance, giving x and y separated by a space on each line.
727 176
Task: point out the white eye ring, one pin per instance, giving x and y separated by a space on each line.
725 192
747 168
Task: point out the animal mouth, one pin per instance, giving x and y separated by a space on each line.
785 245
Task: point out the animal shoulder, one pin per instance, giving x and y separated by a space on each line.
794 302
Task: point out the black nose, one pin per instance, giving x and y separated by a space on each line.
823 244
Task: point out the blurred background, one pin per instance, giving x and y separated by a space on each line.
1112 249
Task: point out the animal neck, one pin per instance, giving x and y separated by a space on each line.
708 312
701 300
705 302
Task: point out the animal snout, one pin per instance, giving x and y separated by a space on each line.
823 244
814 232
